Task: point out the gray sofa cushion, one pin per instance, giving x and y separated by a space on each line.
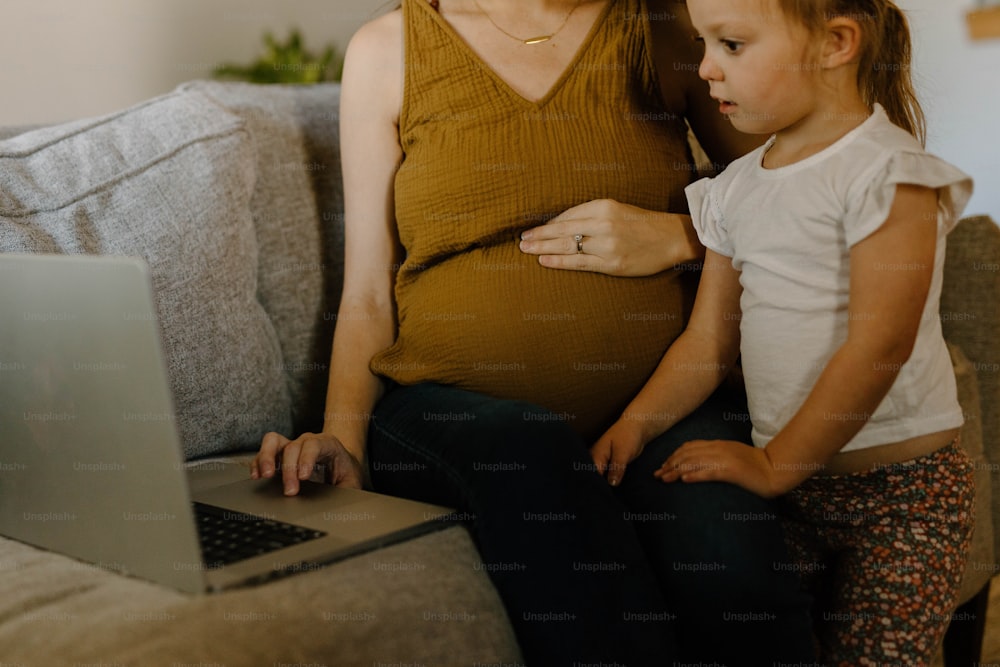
970 317
170 181
980 567
297 207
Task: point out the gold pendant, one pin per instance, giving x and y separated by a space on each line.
538 40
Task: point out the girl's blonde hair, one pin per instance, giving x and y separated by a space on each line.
885 55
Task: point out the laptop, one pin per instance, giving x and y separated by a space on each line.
82 476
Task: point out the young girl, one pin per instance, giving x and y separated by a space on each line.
823 270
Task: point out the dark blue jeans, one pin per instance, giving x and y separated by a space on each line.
646 574
719 553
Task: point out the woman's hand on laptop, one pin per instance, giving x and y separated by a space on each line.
298 460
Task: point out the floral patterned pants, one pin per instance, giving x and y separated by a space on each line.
883 553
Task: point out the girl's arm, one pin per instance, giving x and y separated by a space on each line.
693 366
370 153
891 273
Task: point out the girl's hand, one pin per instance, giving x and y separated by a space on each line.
613 451
617 239
297 459
723 461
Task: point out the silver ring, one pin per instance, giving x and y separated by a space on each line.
579 242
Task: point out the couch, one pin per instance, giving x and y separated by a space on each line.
232 192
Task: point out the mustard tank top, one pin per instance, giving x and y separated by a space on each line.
481 164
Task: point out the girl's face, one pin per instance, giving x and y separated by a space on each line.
757 63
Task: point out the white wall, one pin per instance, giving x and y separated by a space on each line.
958 81
63 59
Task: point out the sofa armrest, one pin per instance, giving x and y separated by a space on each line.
970 317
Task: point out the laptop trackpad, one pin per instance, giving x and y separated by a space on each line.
266 498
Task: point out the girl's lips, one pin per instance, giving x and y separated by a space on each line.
725 106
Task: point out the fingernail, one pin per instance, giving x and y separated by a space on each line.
289 489
525 236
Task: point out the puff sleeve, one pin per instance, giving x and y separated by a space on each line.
869 210
706 215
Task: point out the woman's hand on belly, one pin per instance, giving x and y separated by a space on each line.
606 236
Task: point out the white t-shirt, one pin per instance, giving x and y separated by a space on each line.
789 232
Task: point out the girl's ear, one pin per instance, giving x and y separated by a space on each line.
842 42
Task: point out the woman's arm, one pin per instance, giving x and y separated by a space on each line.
370 153
694 365
891 273
624 240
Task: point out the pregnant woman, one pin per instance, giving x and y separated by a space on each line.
489 148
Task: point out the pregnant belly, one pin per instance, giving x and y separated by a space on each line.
493 321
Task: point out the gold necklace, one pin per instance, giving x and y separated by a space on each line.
531 40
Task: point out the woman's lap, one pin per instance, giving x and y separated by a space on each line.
562 546
570 570
719 551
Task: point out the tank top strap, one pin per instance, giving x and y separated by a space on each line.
437 68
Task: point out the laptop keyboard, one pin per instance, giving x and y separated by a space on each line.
228 536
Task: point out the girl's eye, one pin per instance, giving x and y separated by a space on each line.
731 45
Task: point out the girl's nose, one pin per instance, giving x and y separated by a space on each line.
708 70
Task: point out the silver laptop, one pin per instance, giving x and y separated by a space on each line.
80 477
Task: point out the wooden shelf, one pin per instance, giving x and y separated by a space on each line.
984 23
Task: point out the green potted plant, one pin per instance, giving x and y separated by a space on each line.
288 62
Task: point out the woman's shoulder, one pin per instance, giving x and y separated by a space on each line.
381 32
373 62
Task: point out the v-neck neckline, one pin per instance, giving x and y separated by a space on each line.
559 82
